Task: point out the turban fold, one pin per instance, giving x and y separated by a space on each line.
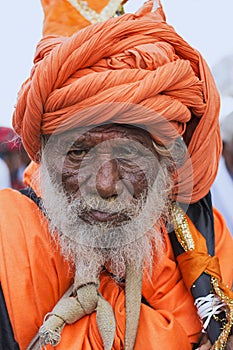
133 69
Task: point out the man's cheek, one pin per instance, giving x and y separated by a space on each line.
70 182
136 180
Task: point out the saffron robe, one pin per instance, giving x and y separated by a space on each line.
34 276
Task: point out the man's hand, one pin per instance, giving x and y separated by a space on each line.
230 343
205 343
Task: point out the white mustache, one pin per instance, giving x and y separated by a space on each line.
79 241
109 205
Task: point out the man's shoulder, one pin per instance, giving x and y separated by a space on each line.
9 195
17 209
13 200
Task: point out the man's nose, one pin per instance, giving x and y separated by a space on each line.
107 179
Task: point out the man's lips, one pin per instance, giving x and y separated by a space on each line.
93 215
102 216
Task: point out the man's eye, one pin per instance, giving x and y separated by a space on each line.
127 152
77 153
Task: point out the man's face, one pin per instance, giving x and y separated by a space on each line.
111 163
103 190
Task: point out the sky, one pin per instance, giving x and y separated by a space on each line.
206 24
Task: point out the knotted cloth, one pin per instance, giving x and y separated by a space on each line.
133 69
86 300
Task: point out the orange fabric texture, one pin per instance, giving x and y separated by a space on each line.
34 276
61 18
134 69
194 263
33 271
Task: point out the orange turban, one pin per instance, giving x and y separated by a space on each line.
133 69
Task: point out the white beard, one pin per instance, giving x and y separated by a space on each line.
90 247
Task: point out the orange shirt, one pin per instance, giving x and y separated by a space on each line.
34 276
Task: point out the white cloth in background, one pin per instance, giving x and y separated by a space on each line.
222 194
5 180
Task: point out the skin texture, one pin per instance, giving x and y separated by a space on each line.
106 160
206 345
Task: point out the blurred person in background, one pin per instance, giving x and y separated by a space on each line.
222 189
5 179
14 158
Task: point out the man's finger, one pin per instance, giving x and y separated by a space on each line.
205 346
230 343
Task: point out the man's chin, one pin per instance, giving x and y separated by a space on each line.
97 217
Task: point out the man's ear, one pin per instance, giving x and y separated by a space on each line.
179 151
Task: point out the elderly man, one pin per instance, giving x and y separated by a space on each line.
117 246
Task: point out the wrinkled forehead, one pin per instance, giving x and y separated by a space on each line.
97 134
